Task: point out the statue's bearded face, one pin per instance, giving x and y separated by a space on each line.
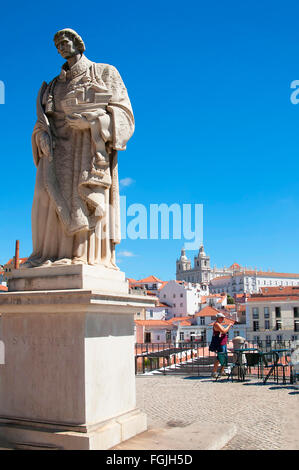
66 47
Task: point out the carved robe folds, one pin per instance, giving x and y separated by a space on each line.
75 213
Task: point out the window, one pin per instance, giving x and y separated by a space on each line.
168 336
296 325
256 326
147 337
174 305
296 312
294 338
256 339
278 325
158 338
277 312
138 313
255 313
266 312
236 333
268 339
151 313
164 296
279 338
174 296
182 336
267 325
181 305
202 320
181 295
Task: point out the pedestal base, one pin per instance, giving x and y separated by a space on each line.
22 434
69 375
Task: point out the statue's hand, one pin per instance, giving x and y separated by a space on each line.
44 144
78 122
93 115
105 123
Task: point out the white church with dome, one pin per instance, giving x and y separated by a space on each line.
201 272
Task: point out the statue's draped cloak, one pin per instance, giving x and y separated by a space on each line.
69 192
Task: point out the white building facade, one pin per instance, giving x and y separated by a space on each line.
182 298
250 282
272 318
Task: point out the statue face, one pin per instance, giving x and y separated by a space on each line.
66 48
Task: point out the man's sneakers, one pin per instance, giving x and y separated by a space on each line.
214 375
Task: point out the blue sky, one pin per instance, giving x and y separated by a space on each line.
210 87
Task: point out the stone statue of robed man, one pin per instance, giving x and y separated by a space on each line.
84 117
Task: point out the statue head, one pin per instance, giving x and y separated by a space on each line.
68 43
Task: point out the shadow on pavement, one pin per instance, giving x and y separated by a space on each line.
198 377
287 387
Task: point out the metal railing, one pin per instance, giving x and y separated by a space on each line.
194 358
182 357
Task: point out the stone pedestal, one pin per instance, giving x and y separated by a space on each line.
68 380
239 343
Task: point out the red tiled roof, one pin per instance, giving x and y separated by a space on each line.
207 312
264 298
179 319
149 279
277 290
164 323
185 323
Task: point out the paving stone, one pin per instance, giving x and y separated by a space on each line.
261 413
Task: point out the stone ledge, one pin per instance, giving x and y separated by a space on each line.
68 277
72 300
196 436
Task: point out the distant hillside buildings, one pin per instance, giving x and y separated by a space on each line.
233 280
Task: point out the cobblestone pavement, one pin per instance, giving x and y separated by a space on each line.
260 412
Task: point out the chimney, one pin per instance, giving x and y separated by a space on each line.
17 255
